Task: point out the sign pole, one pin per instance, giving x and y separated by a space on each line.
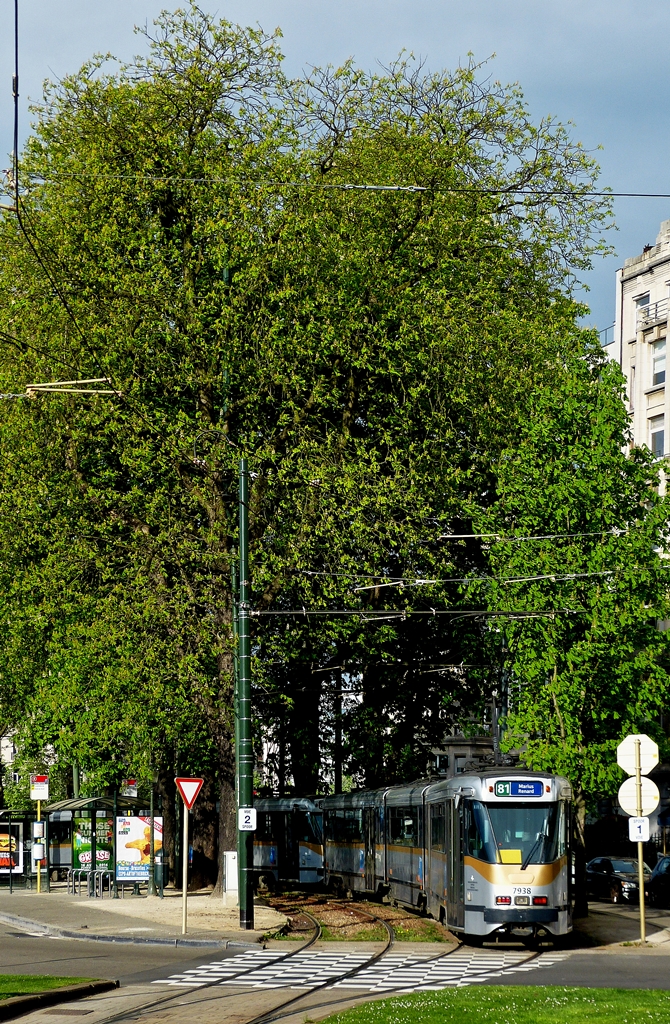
188 789
640 848
39 862
184 872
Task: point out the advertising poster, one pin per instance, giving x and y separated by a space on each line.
81 843
11 848
133 847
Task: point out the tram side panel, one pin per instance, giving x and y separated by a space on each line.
345 859
288 844
404 853
436 856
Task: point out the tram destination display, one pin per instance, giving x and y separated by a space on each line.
519 788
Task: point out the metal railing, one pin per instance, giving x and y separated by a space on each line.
95 881
607 336
652 313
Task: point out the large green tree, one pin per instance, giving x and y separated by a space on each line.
204 234
595 664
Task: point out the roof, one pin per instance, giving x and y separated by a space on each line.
101 803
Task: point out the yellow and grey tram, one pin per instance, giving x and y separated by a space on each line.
486 853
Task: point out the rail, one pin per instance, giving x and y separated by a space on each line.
95 881
652 313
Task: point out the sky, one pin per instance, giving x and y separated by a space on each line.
602 64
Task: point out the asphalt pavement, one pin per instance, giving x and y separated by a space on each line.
172 984
23 953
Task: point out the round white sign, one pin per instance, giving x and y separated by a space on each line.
625 754
628 797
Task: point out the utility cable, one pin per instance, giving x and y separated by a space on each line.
362 187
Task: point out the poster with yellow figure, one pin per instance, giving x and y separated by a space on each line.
133 847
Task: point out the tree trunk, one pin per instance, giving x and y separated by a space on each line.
168 792
304 730
204 828
581 907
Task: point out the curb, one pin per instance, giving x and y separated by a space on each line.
64 933
18 1005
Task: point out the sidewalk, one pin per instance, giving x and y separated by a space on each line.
609 925
136 919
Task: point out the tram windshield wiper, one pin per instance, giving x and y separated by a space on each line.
539 842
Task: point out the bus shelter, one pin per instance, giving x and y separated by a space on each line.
103 833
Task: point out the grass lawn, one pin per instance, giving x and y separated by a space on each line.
23 984
516 1004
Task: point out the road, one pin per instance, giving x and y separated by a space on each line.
172 985
23 953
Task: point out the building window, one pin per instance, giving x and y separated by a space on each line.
460 759
642 300
631 397
658 361
657 436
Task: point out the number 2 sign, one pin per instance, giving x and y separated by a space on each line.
246 819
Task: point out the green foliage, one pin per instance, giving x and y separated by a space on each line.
380 357
594 666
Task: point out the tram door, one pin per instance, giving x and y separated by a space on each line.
455 894
369 840
284 828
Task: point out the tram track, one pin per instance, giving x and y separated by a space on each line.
154 1004
272 1015
399 990
289 1007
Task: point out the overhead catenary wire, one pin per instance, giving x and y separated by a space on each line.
556 577
405 613
575 193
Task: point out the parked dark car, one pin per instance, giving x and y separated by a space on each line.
614 878
659 884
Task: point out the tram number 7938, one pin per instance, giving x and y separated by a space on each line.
521 890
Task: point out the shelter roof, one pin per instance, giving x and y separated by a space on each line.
100 803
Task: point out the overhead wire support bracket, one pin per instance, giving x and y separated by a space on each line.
56 387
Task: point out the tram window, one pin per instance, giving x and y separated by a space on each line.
437 827
522 831
263 826
346 826
403 826
307 827
477 833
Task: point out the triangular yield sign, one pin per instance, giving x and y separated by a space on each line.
189 789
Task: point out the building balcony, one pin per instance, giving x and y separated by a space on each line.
652 314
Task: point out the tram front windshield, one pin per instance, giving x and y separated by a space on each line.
514 833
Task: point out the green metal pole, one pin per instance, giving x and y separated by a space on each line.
245 751
236 679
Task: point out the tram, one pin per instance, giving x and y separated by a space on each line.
486 853
288 842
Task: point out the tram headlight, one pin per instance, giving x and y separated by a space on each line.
504 901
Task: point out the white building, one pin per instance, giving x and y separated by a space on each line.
639 341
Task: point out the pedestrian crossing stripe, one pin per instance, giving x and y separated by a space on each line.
394 972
